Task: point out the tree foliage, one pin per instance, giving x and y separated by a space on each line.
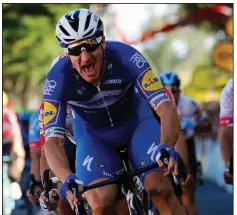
29 45
201 79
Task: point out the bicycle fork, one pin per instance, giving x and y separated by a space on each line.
134 201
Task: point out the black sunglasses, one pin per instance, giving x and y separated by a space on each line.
88 45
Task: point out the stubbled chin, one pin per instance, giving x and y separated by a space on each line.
92 78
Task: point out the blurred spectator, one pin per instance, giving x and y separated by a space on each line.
213 108
13 154
23 118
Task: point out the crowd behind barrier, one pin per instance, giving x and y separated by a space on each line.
208 149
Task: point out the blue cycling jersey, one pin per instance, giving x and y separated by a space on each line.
108 104
34 131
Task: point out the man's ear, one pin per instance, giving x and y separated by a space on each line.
103 43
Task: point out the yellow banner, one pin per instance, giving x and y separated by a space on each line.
229 27
223 55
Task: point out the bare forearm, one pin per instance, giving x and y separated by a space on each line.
226 144
18 156
56 158
17 168
44 165
35 162
182 149
170 125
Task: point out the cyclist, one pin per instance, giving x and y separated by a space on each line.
35 187
192 119
13 151
23 118
109 86
226 129
70 150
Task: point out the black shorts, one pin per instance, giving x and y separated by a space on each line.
192 159
70 150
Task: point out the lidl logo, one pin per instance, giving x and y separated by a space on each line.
150 82
50 111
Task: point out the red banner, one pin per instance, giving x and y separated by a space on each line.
217 14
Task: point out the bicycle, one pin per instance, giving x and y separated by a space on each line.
123 179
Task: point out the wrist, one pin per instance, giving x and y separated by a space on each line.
161 146
70 177
165 145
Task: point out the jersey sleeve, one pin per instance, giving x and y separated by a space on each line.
54 102
34 131
146 81
41 126
226 107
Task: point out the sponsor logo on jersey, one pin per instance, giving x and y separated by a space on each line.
150 82
138 59
113 81
158 99
49 87
50 112
79 92
103 98
101 165
107 174
41 119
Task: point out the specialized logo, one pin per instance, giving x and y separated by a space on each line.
139 184
143 162
50 112
49 87
150 82
129 197
71 14
87 162
138 59
152 151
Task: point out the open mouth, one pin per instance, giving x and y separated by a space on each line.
89 69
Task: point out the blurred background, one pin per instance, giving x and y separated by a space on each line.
195 40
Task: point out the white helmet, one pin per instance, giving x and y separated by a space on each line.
77 25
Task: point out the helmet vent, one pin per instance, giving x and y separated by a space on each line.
88 33
63 30
69 40
99 24
87 22
74 25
